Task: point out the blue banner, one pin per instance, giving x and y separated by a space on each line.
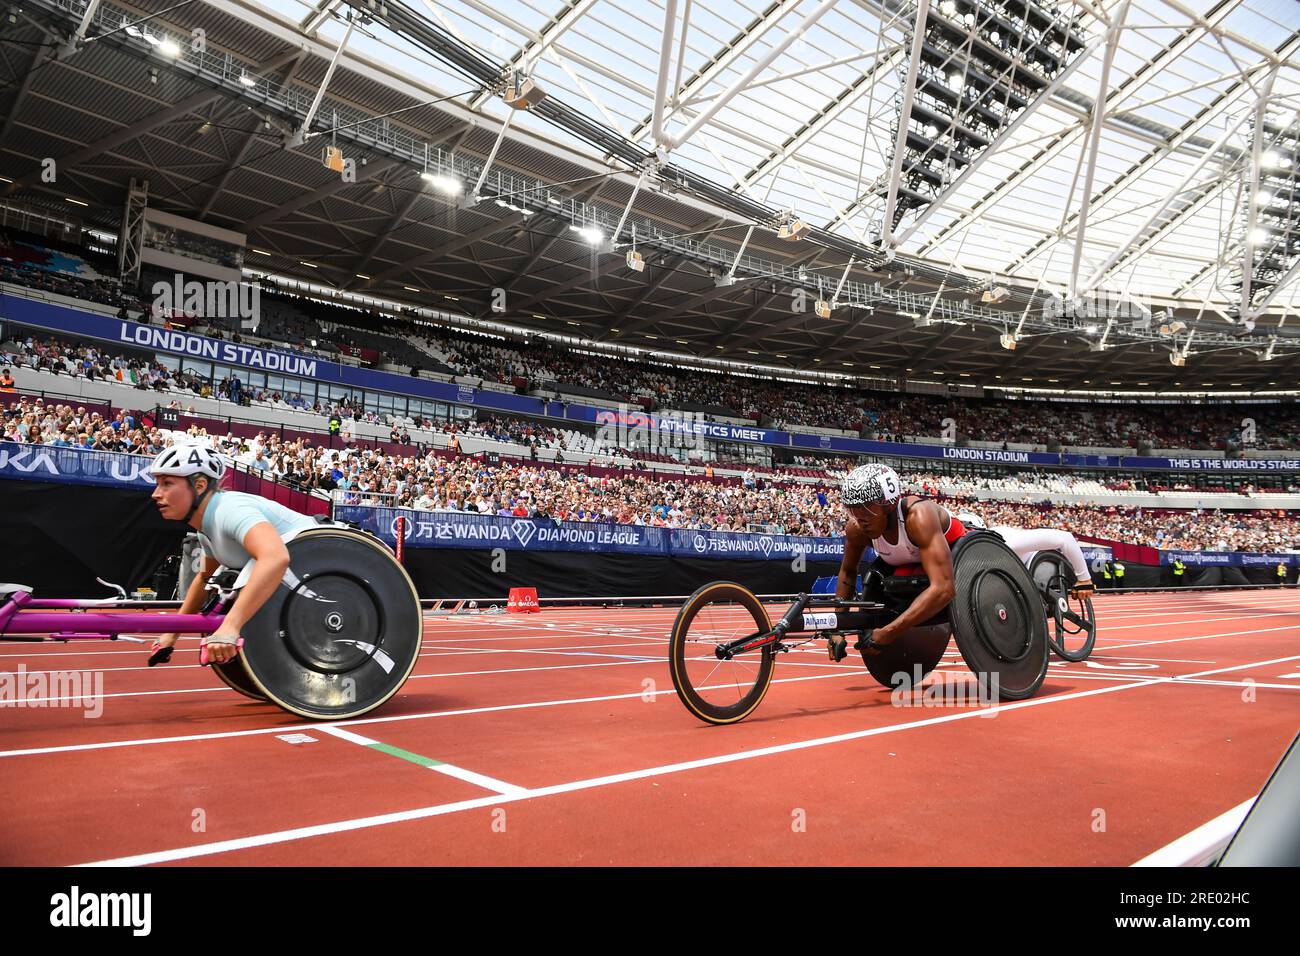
451 529
1214 464
78 324
1228 559
74 465
859 446
996 456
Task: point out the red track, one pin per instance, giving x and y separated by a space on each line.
567 746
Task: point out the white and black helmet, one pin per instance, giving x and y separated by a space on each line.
970 520
870 484
188 460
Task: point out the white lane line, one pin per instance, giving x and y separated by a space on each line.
342 826
43 654
1162 660
1203 637
779 680
1250 616
1198 681
1202 845
651 660
38 702
853 668
450 770
288 728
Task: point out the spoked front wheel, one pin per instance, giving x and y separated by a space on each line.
714 688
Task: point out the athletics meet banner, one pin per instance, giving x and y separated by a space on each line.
669 425
452 529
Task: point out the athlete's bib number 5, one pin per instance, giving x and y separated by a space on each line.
890 484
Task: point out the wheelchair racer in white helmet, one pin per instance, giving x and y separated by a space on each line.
910 534
234 529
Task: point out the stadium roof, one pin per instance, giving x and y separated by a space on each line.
808 97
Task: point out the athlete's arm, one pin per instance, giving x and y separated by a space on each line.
194 597
263 544
855 545
925 530
193 601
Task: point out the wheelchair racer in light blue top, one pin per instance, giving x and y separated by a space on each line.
234 529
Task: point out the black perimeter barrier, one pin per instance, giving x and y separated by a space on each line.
1137 576
457 573
58 538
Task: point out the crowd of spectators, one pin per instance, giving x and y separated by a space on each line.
465 484
461 483
60 357
103 291
141 372
36 422
1166 425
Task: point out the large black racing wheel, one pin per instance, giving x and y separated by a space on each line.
1073 630
997 617
716 690
907 660
235 676
341 634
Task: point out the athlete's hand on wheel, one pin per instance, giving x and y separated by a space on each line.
220 647
875 641
161 652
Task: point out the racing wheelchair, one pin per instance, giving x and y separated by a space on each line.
337 639
723 647
1073 631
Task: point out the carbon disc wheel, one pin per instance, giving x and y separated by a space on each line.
997 617
234 675
341 634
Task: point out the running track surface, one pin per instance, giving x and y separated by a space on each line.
557 738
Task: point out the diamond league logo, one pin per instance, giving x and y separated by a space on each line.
825 441
524 531
700 543
766 544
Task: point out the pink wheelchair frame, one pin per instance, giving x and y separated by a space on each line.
24 618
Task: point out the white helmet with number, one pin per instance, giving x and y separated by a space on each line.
187 460
970 520
870 484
